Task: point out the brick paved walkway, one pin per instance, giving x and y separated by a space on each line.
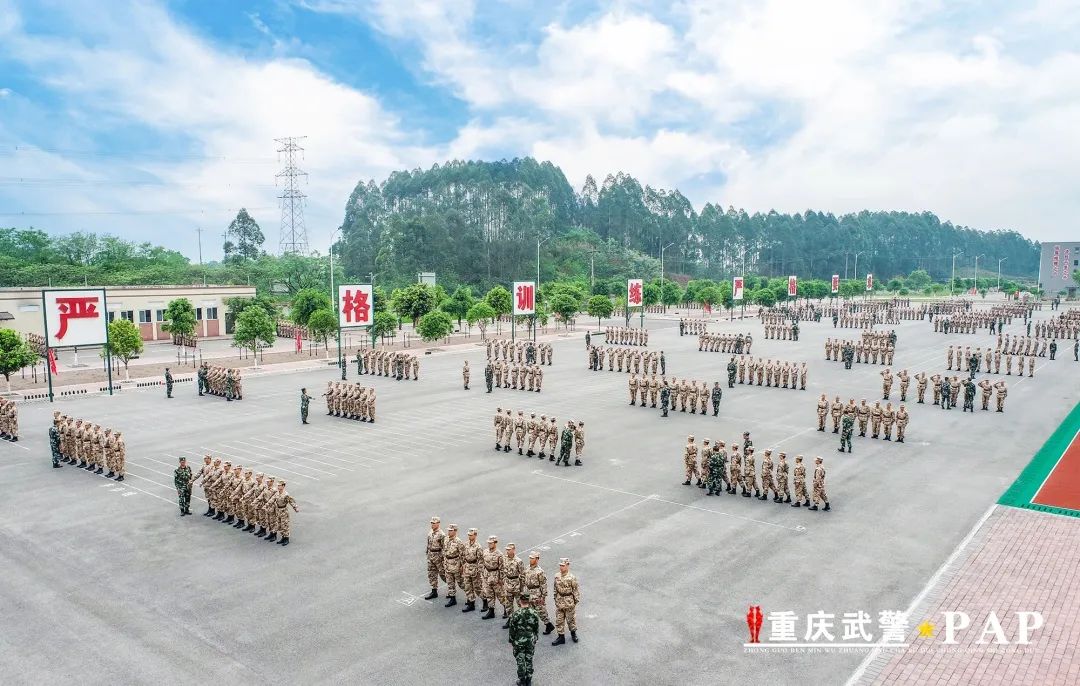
1018 561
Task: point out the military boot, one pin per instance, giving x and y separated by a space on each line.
250 527
813 507
796 504
530 453
284 541
228 520
220 516
490 614
498 447
559 641
110 475
434 594
686 483
120 478
209 512
506 624
577 463
470 605
240 524
99 470
261 532
272 537
520 452
548 628
452 602
826 508
507 448
573 635
551 457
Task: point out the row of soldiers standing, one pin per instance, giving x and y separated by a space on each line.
216 380
508 375
348 400
255 503
9 420
676 395
844 416
784 331
869 351
947 390
88 446
973 362
771 373
726 343
507 427
691 327
719 473
626 335
634 359
398 364
519 351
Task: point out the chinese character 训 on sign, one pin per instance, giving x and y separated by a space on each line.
524 296
356 305
633 293
75 317
835 283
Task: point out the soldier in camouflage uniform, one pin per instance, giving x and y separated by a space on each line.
767 476
717 394
717 469
472 557
819 486
513 574
846 430
565 444
453 554
783 495
182 480
535 584
665 399
579 442
690 453
54 440
492 561
436 541
305 401
489 375
524 627
567 597
800 484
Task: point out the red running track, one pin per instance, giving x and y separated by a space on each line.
1062 486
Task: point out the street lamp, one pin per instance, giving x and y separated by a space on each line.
999 271
977 271
337 305
952 279
538 244
592 270
857 263
662 272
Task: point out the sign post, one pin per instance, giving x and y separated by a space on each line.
869 282
792 286
75 317
635 298
524 297
355 307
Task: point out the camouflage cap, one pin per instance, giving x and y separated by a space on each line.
564 560
280 483
259 475
452 527
512 545
249 471
527 596
183 459
227 463
493 539
473 530
435 520
533 555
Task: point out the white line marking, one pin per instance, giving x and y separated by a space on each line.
861 669
286 454
309 459
559 539
324 447
1056 463
15 445
256 462
654 497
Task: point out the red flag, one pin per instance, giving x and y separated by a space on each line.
708 308
299 343
52 362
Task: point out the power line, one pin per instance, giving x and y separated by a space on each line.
293 230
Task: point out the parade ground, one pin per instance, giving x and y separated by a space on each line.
106 584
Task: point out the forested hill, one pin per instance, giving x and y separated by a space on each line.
478 222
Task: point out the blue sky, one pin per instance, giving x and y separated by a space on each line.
151 119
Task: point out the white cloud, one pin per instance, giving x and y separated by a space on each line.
5 92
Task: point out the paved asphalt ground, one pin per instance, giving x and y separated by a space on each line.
105 583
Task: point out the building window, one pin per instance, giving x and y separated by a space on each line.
159 315
144 316
128 315
198 314
112 316
211 313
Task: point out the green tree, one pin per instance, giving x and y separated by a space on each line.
307 302
124 343
600 306
672 293
710 295
414 301
458 304
565 306
179 318
254 327
435 325
384 324
480 314
499 299
243 239
650 294
14 354
918 279
766 297
322 324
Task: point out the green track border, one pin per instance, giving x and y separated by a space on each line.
1021 492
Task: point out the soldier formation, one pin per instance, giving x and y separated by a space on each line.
990 361
876 417
518 377
501 577
726 343
677 395
875 347
777 374
509 426
784 330
348 400
86 445
719 472
9 420
947 392
635 360
289 330
220 381
256 503
626 335
399 365
522 352
691 327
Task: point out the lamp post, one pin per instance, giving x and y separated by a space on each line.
952 278
592 270
857 264
538 244
977 271
662 249
371 329
999 271
337 305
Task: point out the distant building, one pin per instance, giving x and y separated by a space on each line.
20 308
1056 266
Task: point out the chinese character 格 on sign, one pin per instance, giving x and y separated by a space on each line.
355 305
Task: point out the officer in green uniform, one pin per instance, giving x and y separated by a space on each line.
846 429
795 330
731 369
182 480
665 399
566 441
54 444
717 470
663 364
204 385
969 395
718 393
489 375
230 386
168 383
524 631
305 400
359 363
